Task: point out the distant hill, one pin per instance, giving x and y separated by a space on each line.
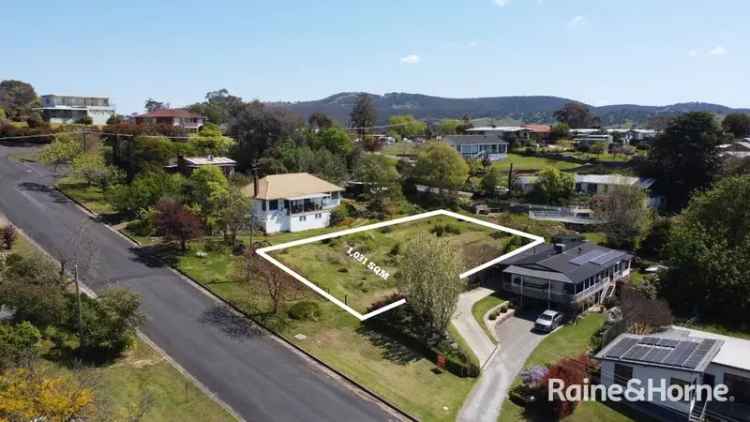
529 109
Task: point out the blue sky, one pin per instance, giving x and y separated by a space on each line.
597 51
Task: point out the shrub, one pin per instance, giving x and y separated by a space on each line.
395 250
9 235
386 229
305 310
339 215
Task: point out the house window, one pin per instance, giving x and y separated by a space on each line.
302 218
623 374
318 216
335 195
516 280
570 288
273 205
265 205
739 387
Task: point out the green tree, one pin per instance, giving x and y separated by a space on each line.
363 114
206 188
17 98
144 192
219 106
686 156
554 186
210 140
449 126
233 213
19 345
318 120
92 168
257 129
492 180
560 131
382 182
62 150
406 126
3 116
336 140
627 217
152 105
109 323
440 166
32 287
708 255
737 124
576 115
430 282
147 153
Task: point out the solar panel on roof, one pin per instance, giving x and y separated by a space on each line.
603 259
621 347
636 352
668 342
650 340
587 257
680 353
656 355
700 352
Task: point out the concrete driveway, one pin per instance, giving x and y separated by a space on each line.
516 343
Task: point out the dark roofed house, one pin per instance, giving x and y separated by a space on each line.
178 117
568 275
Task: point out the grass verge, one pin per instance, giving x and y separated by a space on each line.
482 307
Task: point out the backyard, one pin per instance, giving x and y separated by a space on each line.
333 264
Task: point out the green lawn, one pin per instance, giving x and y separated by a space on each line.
90 196
482 307
380 363
328 265
400 148
140 372
570 340
523 162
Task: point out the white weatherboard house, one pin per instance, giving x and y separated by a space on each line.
683 356
292 202
65 109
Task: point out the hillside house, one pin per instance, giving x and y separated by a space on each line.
177 117
292 202
568 275
681 356
187 165
67 109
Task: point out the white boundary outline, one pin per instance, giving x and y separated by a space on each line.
263 252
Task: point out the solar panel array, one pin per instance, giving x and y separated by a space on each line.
664 351
603 259
588 257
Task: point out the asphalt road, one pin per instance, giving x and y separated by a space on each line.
261 379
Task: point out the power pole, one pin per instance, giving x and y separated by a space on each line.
510 178
78 300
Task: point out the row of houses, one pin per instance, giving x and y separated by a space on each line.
66 109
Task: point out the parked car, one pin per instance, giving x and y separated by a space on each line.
548 321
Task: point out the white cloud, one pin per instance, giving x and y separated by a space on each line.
501 3
472 44
718 51
410 59
576 21
693 53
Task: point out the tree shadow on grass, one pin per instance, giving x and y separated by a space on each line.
236 326
156 256
392 349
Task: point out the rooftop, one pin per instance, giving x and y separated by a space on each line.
289 186
578 261
210 160
475 139
171 112
537 128
685 353
497 129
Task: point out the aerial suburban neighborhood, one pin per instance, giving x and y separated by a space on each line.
187 234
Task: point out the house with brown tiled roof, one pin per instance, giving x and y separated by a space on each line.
292 202
178 117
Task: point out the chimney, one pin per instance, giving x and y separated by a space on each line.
559 248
